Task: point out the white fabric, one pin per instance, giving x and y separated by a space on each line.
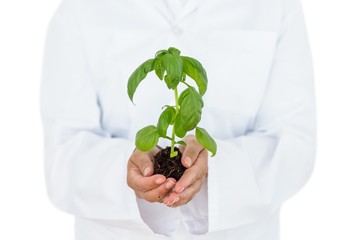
175 6
259 107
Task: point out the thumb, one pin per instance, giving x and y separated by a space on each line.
191 151
143 162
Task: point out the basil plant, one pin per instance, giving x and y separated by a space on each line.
185 116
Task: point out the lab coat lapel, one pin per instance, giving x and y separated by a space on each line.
162 9
190 7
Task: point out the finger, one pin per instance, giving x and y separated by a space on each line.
176 199
197 171
143 162
138 182
159 193
169 185
191 151
144 184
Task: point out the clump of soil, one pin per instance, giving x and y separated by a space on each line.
169 167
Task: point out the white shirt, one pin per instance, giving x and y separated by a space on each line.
259 106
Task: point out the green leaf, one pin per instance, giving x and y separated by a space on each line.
174 51
191 105
160 53
183 77
147 138
206 140
166 118
173 66
179 126
166 106
181 143
138 75
159 70
195 70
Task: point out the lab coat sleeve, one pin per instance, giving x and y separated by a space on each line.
85 167
253 174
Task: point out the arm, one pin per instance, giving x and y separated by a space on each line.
252 175
85 167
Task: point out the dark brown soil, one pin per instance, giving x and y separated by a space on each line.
169 167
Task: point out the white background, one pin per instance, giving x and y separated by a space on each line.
327 208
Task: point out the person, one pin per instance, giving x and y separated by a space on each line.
259 107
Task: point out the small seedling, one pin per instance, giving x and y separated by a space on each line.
185 116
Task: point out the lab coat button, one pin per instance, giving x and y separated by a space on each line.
177 30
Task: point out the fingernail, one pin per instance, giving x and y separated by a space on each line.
180 190
167 202
175 200
159 181
146 171
170 184
188 161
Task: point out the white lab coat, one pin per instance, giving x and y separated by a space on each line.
259 107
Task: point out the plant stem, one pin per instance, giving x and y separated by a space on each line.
172 152
185 84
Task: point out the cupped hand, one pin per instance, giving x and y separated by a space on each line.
195 159
152 188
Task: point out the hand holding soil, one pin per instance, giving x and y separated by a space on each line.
195 159
156 188
152 188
